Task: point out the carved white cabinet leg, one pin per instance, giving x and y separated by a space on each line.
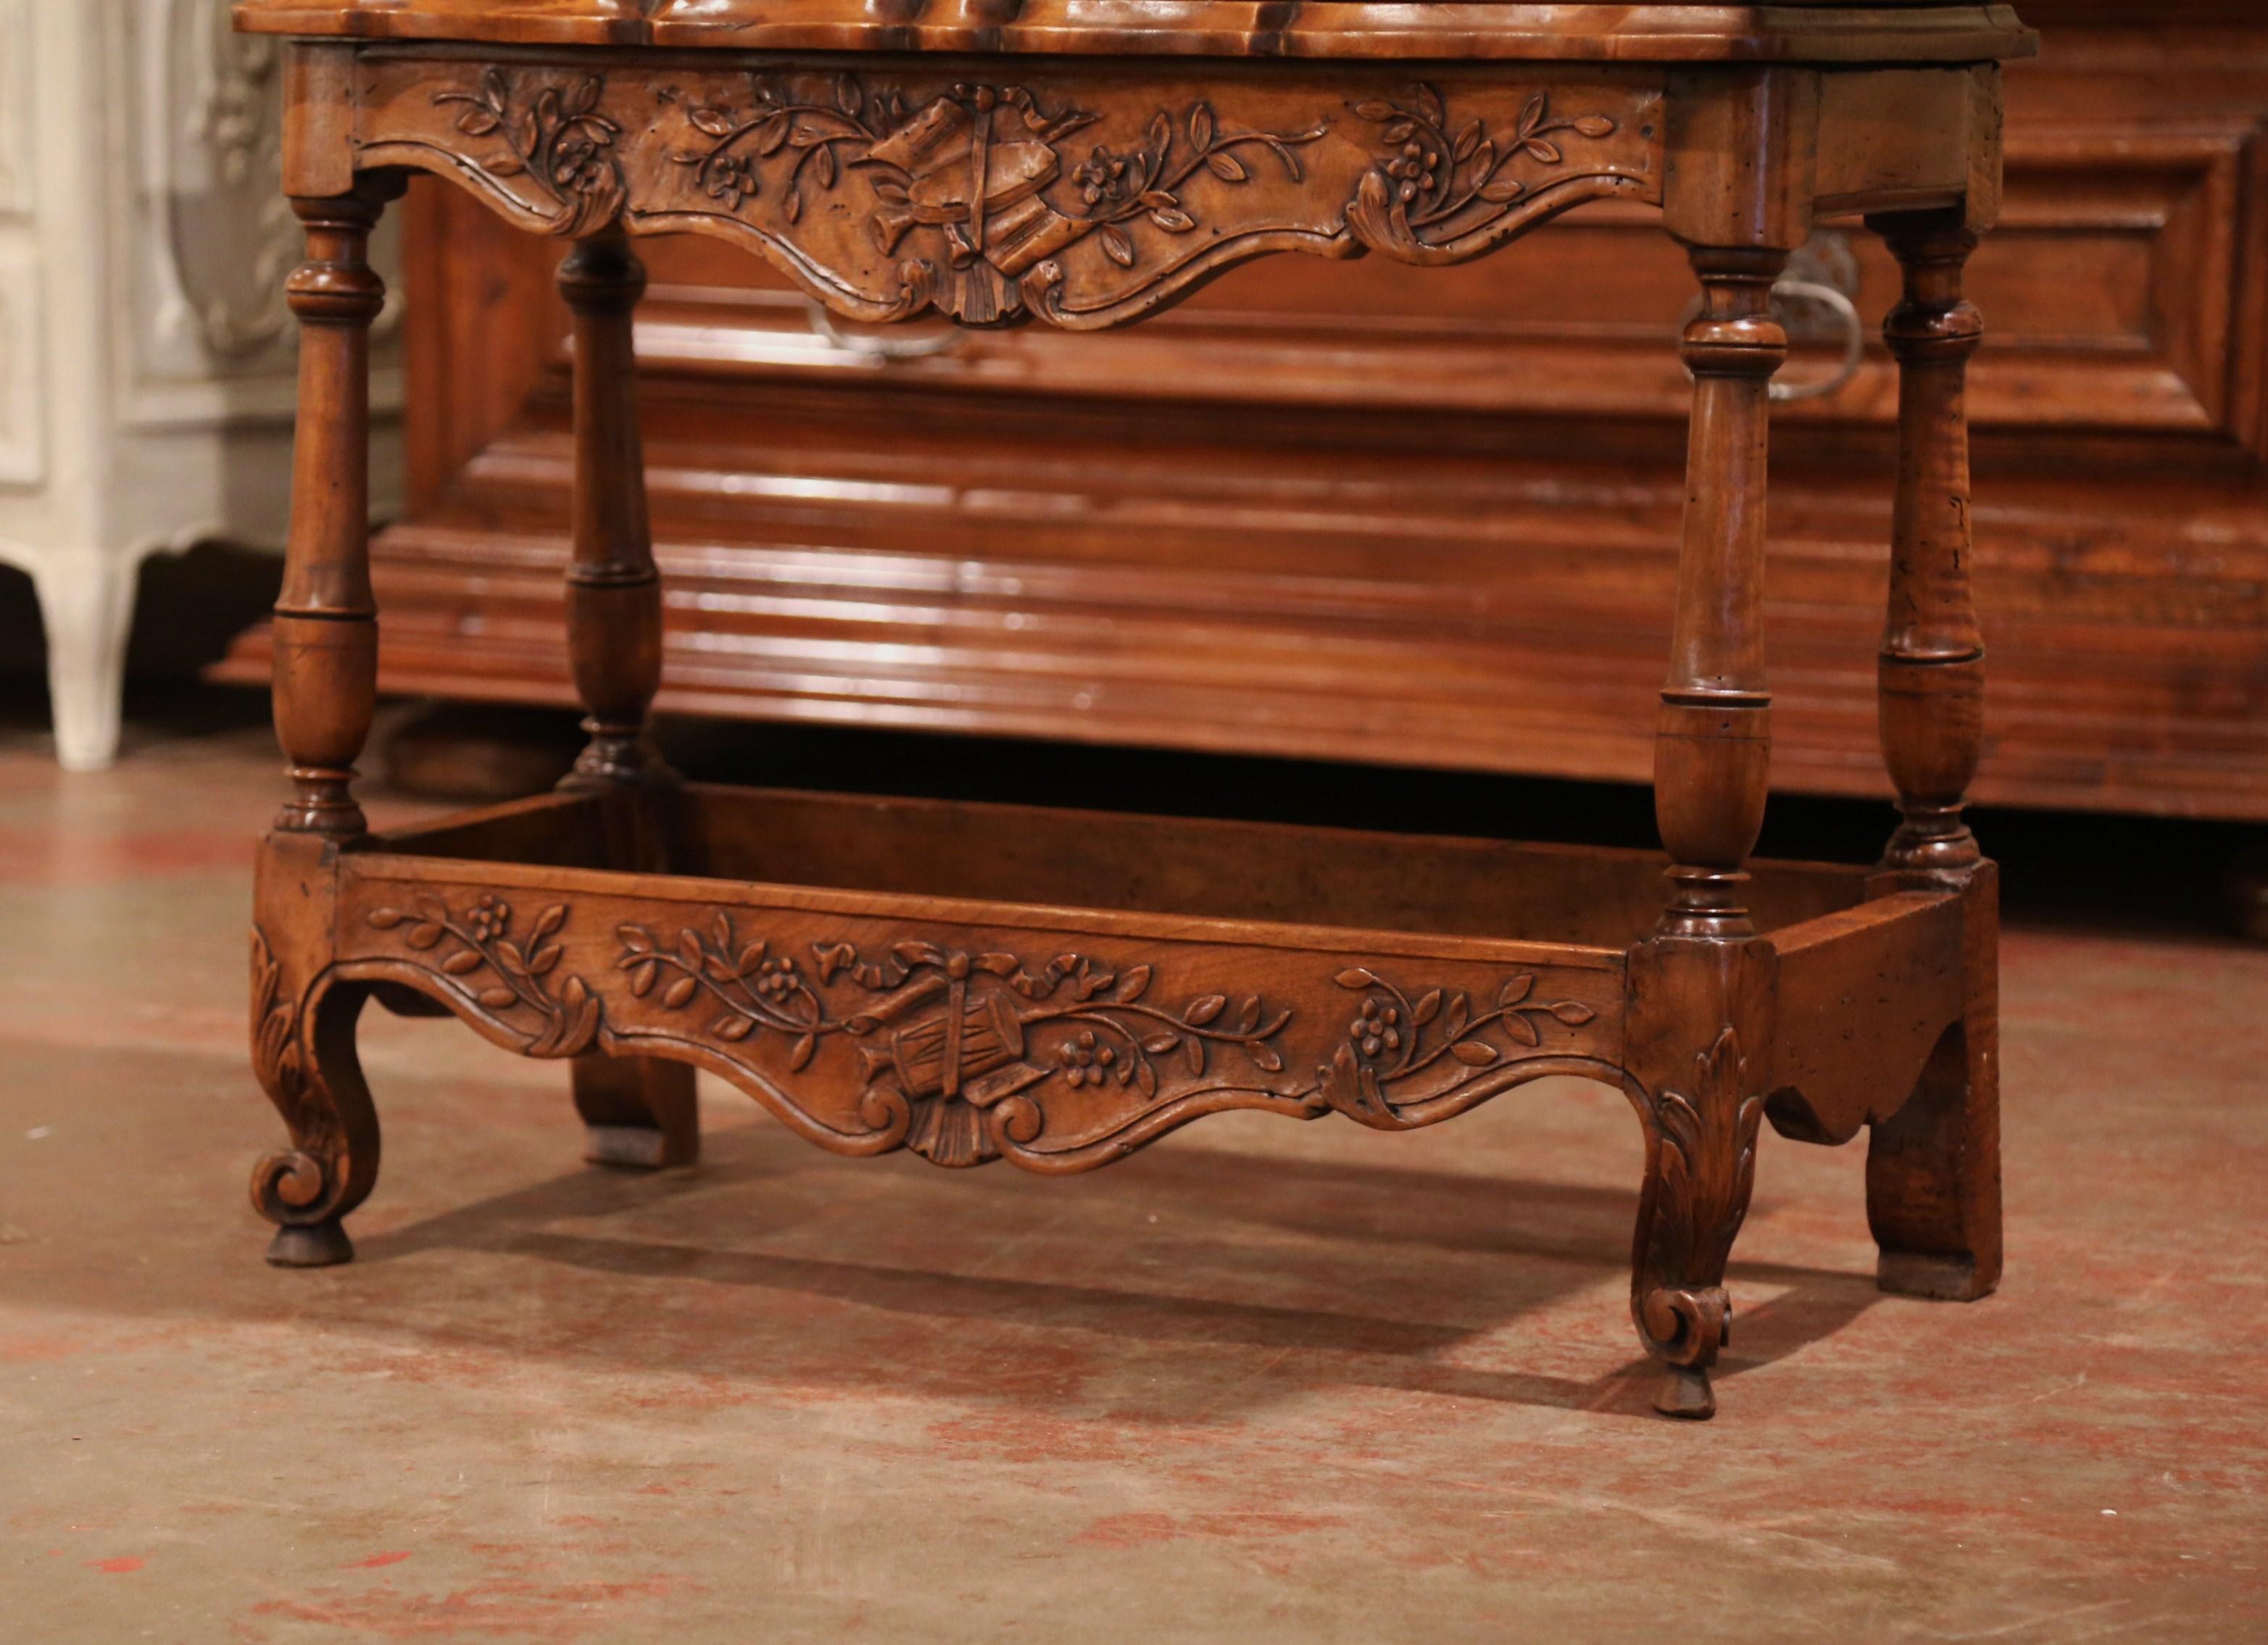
146 366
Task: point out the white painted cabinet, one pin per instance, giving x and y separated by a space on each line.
146 366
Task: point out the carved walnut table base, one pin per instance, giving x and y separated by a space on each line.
1055 989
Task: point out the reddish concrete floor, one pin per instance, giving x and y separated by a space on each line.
1263 1382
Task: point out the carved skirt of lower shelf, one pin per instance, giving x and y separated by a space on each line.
855 965
1059 989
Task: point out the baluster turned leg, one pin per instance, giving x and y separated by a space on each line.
1701 996
325 623
1934 1170
639 1111
1712 747
326 649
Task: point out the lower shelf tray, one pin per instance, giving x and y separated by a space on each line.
1061 987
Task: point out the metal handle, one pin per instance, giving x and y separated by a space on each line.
1847 317
887 347
1855 341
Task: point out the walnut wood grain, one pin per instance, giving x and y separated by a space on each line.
896 982
1815 31
326 651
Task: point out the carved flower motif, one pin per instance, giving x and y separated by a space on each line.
1087 1060
580 162
1412 167
775 978
489 918
730 178
1105 178
1378 1028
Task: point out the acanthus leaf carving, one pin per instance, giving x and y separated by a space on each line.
1705 1147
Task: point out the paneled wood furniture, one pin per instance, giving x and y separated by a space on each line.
1058 988
1451 497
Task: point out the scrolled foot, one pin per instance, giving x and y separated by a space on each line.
298 1190
310 1245
1685 1393
1687 1327
1684 1329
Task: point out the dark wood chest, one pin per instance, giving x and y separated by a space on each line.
1345 510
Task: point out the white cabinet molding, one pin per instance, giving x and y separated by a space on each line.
146 360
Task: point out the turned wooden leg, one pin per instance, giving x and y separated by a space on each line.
1934 1170
326 690
1699 1011
1713 746
325 624
638 1111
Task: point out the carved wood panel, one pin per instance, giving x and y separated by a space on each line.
1084 197
1059 1050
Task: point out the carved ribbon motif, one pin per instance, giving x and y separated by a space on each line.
887 194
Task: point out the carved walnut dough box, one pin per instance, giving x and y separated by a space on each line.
1059 989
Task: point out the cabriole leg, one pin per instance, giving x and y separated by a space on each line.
1934 1170
325 688
638 1112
